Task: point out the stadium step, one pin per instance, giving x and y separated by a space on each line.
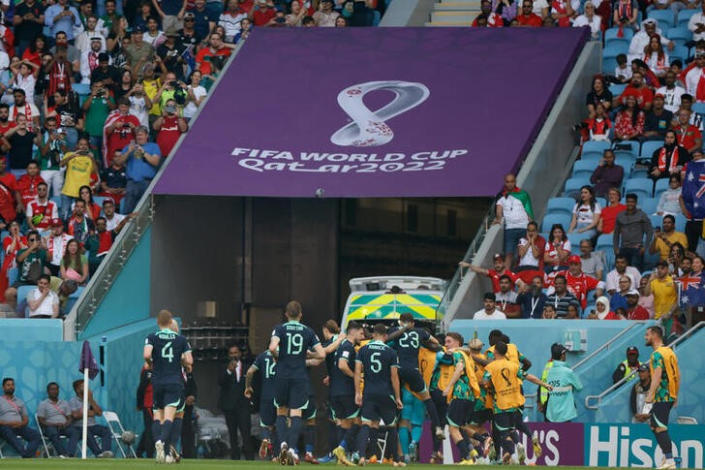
462 17
471 5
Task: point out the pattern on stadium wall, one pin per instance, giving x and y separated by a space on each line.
390 306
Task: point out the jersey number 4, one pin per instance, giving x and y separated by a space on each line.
168 352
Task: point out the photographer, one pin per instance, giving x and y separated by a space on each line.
143 159
169 127
97 107
31 261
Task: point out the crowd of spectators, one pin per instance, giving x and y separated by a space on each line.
94 96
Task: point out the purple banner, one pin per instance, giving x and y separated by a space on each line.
561 444
374 112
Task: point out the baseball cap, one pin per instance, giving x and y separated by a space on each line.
557 350
56 223
498 255
659 95
138 29
574 259
643 367
632 350
189 15
633 292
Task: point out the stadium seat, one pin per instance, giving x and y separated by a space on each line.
609 64
601 201
573 185
642 187
12 275
583 168
22 293
551 219
640 172
699 108
661 186
595 146
679 34
648 205
649 147
613 33
680 222
630 146
684 17
617 88
575 238
604 241
557 205
592 157
679 52
613 50
656 220
626 161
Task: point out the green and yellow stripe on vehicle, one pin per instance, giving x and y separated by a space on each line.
391 306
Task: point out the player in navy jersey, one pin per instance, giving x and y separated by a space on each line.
267 367
165 351
381 398
342 390
290 344
331 340
406 341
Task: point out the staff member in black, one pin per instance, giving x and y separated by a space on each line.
235 405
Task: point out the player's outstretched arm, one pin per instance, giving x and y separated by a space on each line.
397 333
273 346
332 347
535 380
525 364
318 352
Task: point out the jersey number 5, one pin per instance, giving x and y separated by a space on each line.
294 343
375 364
168 352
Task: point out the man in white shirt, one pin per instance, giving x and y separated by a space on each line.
621 267
589 18
512 211
671 93
112 218
54 416
693 77
540 7
641 39
696 24
490 311
90 60
83 40
42 301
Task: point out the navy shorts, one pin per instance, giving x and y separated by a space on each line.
379 407
659 414
460 412
290 393
168 395
504 421
412 378
511 239
309 411
267 412
480 416
344 407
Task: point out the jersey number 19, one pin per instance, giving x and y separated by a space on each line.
294 343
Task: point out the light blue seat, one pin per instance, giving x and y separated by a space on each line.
575 238
639 173
617 88
699 108
680 222
99 200
592 157
612 33
604 242
601 201
583 168
642 187
629 146
595 146
22 293
684 16
12 275
558 205
679 33
551 219
626 161
661 186
613 50
662 15
573 185
609 64
679 52
648 204
656 220
649 147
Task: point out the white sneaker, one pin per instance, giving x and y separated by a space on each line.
168 459
521 453
668 464
159 448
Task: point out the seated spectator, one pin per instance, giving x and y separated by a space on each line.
557 250
11 244
573 312
602 310
689 136
74 264
325 16
530 251
92 209
658 120
42 301
626 13
627 368
676 255
586 213
666 237
79 225
533 300
80 165
633 232
169 127
607 175
599 94
599 127
41 211
621 267
669 201
514 211
112 218
100 242
619 298
629 124
591 262
638 90
671 93
490 311
527 17
55 418
655 57
641 39
499 270
76 405
634 310
663 288
506 298
693 77
31 260
578 283
143 159
14 422
590 19
549 312
55 244
27 184
562 12
608 217
623 71
561 298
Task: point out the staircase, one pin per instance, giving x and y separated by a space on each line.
454 13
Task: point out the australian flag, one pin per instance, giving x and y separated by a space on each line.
693 190
692 291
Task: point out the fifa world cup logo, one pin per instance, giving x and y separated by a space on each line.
369 128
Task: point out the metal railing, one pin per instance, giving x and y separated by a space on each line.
608 343
598 398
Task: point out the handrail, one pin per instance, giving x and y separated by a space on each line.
607 344
128 238
615 386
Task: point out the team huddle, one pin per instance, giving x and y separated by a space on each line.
382 386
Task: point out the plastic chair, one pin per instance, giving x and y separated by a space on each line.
573 185
604 241
684 17
613 50
649 147
617 88
601 201
679 52
595 146
583 168
609 64
116 429
661 186
628 33
679 33
550 220
699 108
575 238
557 205
680 222
656 220
592 157
648 205
642 187
633 148
12 275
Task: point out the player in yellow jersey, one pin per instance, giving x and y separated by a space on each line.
663 393
505 378
482 411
